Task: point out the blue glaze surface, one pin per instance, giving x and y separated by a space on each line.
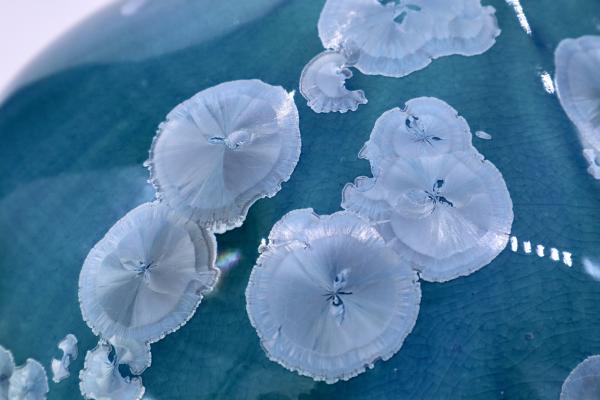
75 135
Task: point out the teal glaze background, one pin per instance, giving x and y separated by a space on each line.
72 144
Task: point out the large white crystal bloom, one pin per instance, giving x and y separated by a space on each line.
100 378
426 126
397 37
448 215
28 382
148 274
134 354
322 83
328 298
578 88
60 368
583 383
225 148
7 367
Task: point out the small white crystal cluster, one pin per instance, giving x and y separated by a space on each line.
398 37
323 80
60 367
25 382
100 378
391 38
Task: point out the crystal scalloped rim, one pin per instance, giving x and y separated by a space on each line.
142 217
275 117
353 345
